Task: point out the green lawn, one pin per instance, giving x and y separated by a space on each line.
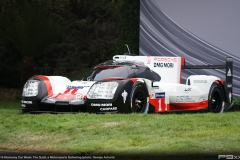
119 134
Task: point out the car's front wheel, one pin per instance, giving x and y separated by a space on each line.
139 98
216 98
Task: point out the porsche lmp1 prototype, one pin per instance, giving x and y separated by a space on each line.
126 84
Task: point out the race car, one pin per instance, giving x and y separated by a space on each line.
131 84
58 94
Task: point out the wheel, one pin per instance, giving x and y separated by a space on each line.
139 98
216 99
23 111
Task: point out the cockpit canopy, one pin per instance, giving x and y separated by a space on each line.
121 69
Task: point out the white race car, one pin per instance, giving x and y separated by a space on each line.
128 83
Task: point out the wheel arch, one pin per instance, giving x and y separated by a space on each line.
216 97
221 83
135 87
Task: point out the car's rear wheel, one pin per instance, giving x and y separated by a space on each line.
139 98
216 98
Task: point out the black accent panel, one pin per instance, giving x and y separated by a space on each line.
62 108
108 105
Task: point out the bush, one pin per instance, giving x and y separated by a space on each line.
236 101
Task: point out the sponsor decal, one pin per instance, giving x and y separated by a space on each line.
184 99
164 65
154 87
122 57
229 72
230 97
165 59
160 95
124 95
23 105
101 104
26 102
200 81
229 85
108 109
187 89
76 87
80 96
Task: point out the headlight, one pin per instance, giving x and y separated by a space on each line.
102 90
30 88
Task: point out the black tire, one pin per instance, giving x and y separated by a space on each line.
216 98
24 112
139 98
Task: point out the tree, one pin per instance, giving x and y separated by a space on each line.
129 26
31 28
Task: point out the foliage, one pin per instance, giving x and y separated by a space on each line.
62 37
119 134
129 26
236 101
92 33
31 30
10 94
29 26
9 66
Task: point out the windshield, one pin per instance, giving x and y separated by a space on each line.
101 73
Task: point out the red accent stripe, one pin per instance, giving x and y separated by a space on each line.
67 91
182 64
107 66
75 90
48 84
176 106
134 80
114 78
222 81
192 106
216 81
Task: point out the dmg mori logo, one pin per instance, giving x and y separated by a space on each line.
164 65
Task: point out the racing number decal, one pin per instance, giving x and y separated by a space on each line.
160 105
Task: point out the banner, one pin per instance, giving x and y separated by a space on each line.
204 32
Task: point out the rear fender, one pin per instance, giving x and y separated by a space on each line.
203 82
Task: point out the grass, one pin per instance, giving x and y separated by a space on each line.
119 134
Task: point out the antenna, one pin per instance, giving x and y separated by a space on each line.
127 48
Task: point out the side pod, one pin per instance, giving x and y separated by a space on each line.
228 79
